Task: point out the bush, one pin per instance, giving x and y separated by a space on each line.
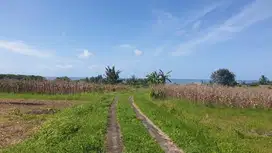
157 93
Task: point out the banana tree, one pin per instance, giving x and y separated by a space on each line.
158 77
164 77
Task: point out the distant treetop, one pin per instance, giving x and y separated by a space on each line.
22 77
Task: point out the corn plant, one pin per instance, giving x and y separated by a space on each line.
243 97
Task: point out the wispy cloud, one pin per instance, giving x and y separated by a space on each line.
23 48
92 67
85 54
138 52
132 48
195 16
64 66
125 46
253 13
168 23
196 25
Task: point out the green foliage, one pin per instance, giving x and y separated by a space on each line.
198 128
112 75
133 81
96 79
64 78
263 80
158 77
21 77
153 78
78 129
164 77
135 137
157 94
223 77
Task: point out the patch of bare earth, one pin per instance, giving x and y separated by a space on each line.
114 141
163 140
21 118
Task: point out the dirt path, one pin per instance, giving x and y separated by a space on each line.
164 141
114 141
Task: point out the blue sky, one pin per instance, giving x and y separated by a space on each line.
190 37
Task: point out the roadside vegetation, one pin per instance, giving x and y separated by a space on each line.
78 129
200 128
222 115
135 136
242 97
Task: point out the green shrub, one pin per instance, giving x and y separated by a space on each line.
157 94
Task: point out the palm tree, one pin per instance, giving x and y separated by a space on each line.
112 75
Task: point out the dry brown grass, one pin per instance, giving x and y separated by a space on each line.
21 118
243 97
54 87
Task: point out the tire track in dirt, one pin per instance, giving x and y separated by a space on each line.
163 140
114 142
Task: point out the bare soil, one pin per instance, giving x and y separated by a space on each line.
163 140
21 118
114 139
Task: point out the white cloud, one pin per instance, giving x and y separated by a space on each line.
93 67
64 66
138 52
85 54
253 13
125 46
22 48
196 25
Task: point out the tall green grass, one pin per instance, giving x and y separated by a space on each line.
78 129
78 96
207 129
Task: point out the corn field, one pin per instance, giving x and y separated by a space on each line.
243 97
54 87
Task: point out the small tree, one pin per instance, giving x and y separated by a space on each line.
223 77
112 75
64 78
263 80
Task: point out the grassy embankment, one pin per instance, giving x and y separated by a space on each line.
135 136
199 128
81 128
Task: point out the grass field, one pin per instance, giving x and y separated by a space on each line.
193 127
135 136
78 129
198 128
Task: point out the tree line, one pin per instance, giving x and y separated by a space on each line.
221 76
22 77
227 78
